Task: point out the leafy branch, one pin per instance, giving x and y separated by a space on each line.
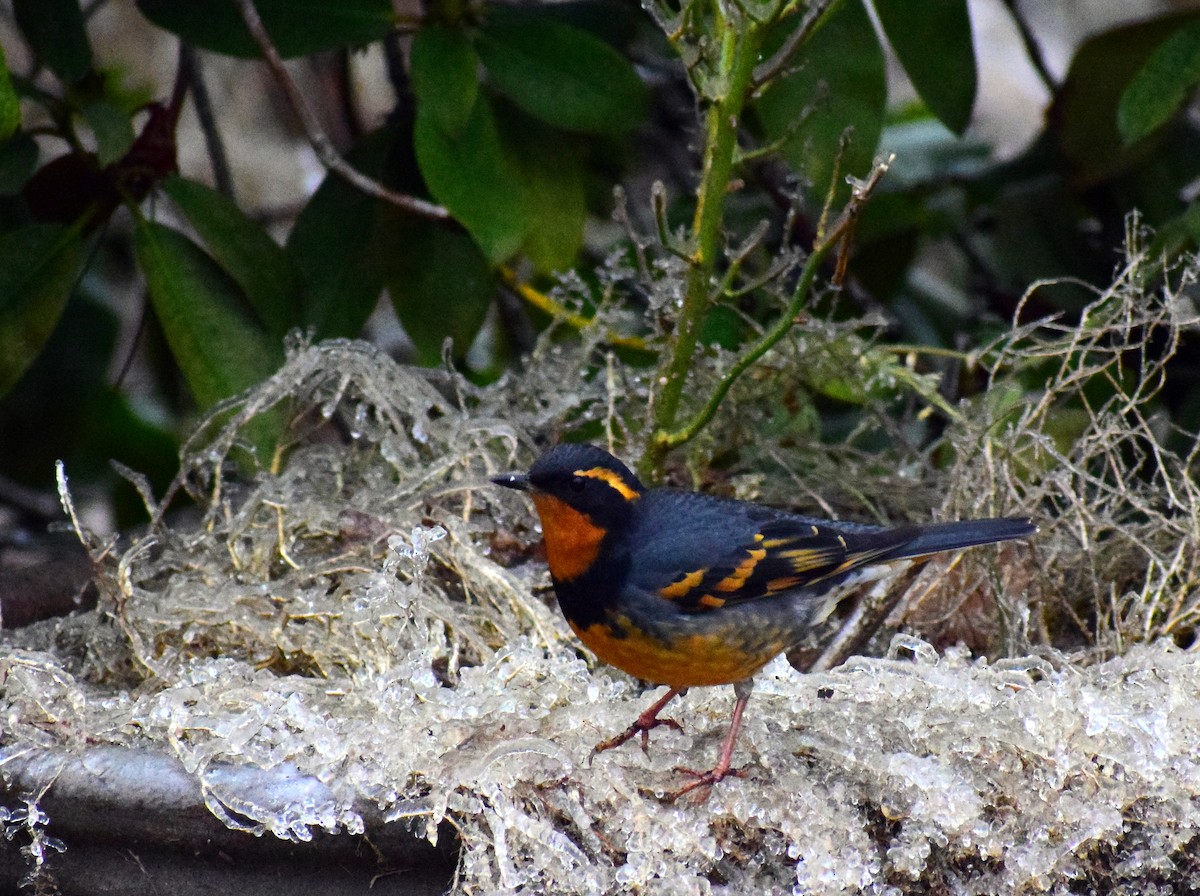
725 80
841 230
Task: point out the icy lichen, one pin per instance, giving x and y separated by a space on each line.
27 823
346 623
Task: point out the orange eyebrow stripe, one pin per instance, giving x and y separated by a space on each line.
682 586
737 578
613 480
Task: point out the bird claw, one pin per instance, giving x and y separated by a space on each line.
703 779
641 727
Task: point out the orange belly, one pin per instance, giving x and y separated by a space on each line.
688 659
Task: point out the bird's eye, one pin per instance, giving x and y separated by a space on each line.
578 484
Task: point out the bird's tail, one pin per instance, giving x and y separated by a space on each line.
939 537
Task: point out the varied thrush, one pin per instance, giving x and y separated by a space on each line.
685 589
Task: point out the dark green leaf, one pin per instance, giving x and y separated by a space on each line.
243 249
841 88
560 74
10 106
724 327
1172 237
71 367
440 283
1162 85
38 268
297 27
932 39
1031 238
1083 116
54 30
928 154
112 128
552 179
474 177
213 336
615 22
445 75
18 155
332 244
886 239
114 426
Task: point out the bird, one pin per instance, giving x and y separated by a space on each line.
687 589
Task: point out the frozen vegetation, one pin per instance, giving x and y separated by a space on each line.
362 635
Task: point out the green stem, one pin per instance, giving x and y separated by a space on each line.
740 42
666 439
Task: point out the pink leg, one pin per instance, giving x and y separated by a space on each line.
721 770
643 723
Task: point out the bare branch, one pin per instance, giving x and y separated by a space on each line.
317 137
782 57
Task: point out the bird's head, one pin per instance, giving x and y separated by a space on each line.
581 492
587 479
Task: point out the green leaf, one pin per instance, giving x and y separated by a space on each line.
297 27
932 39
244 250
113 425
112 128
440 284
444 75
928 154
840 88
213 336
10 106
724 327
54 30
1174 236
1084 114
617 23
560 74
474 177
552 181
39 265
71 368
18 156
1162 85
332 243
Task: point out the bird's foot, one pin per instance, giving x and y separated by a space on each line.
642 725
703 779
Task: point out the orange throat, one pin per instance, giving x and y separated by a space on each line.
572 539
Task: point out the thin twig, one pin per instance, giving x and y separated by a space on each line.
189 65
782 57
546 304
733 271
825 243
1032 48
317 137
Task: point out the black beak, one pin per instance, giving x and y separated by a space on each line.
519 481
